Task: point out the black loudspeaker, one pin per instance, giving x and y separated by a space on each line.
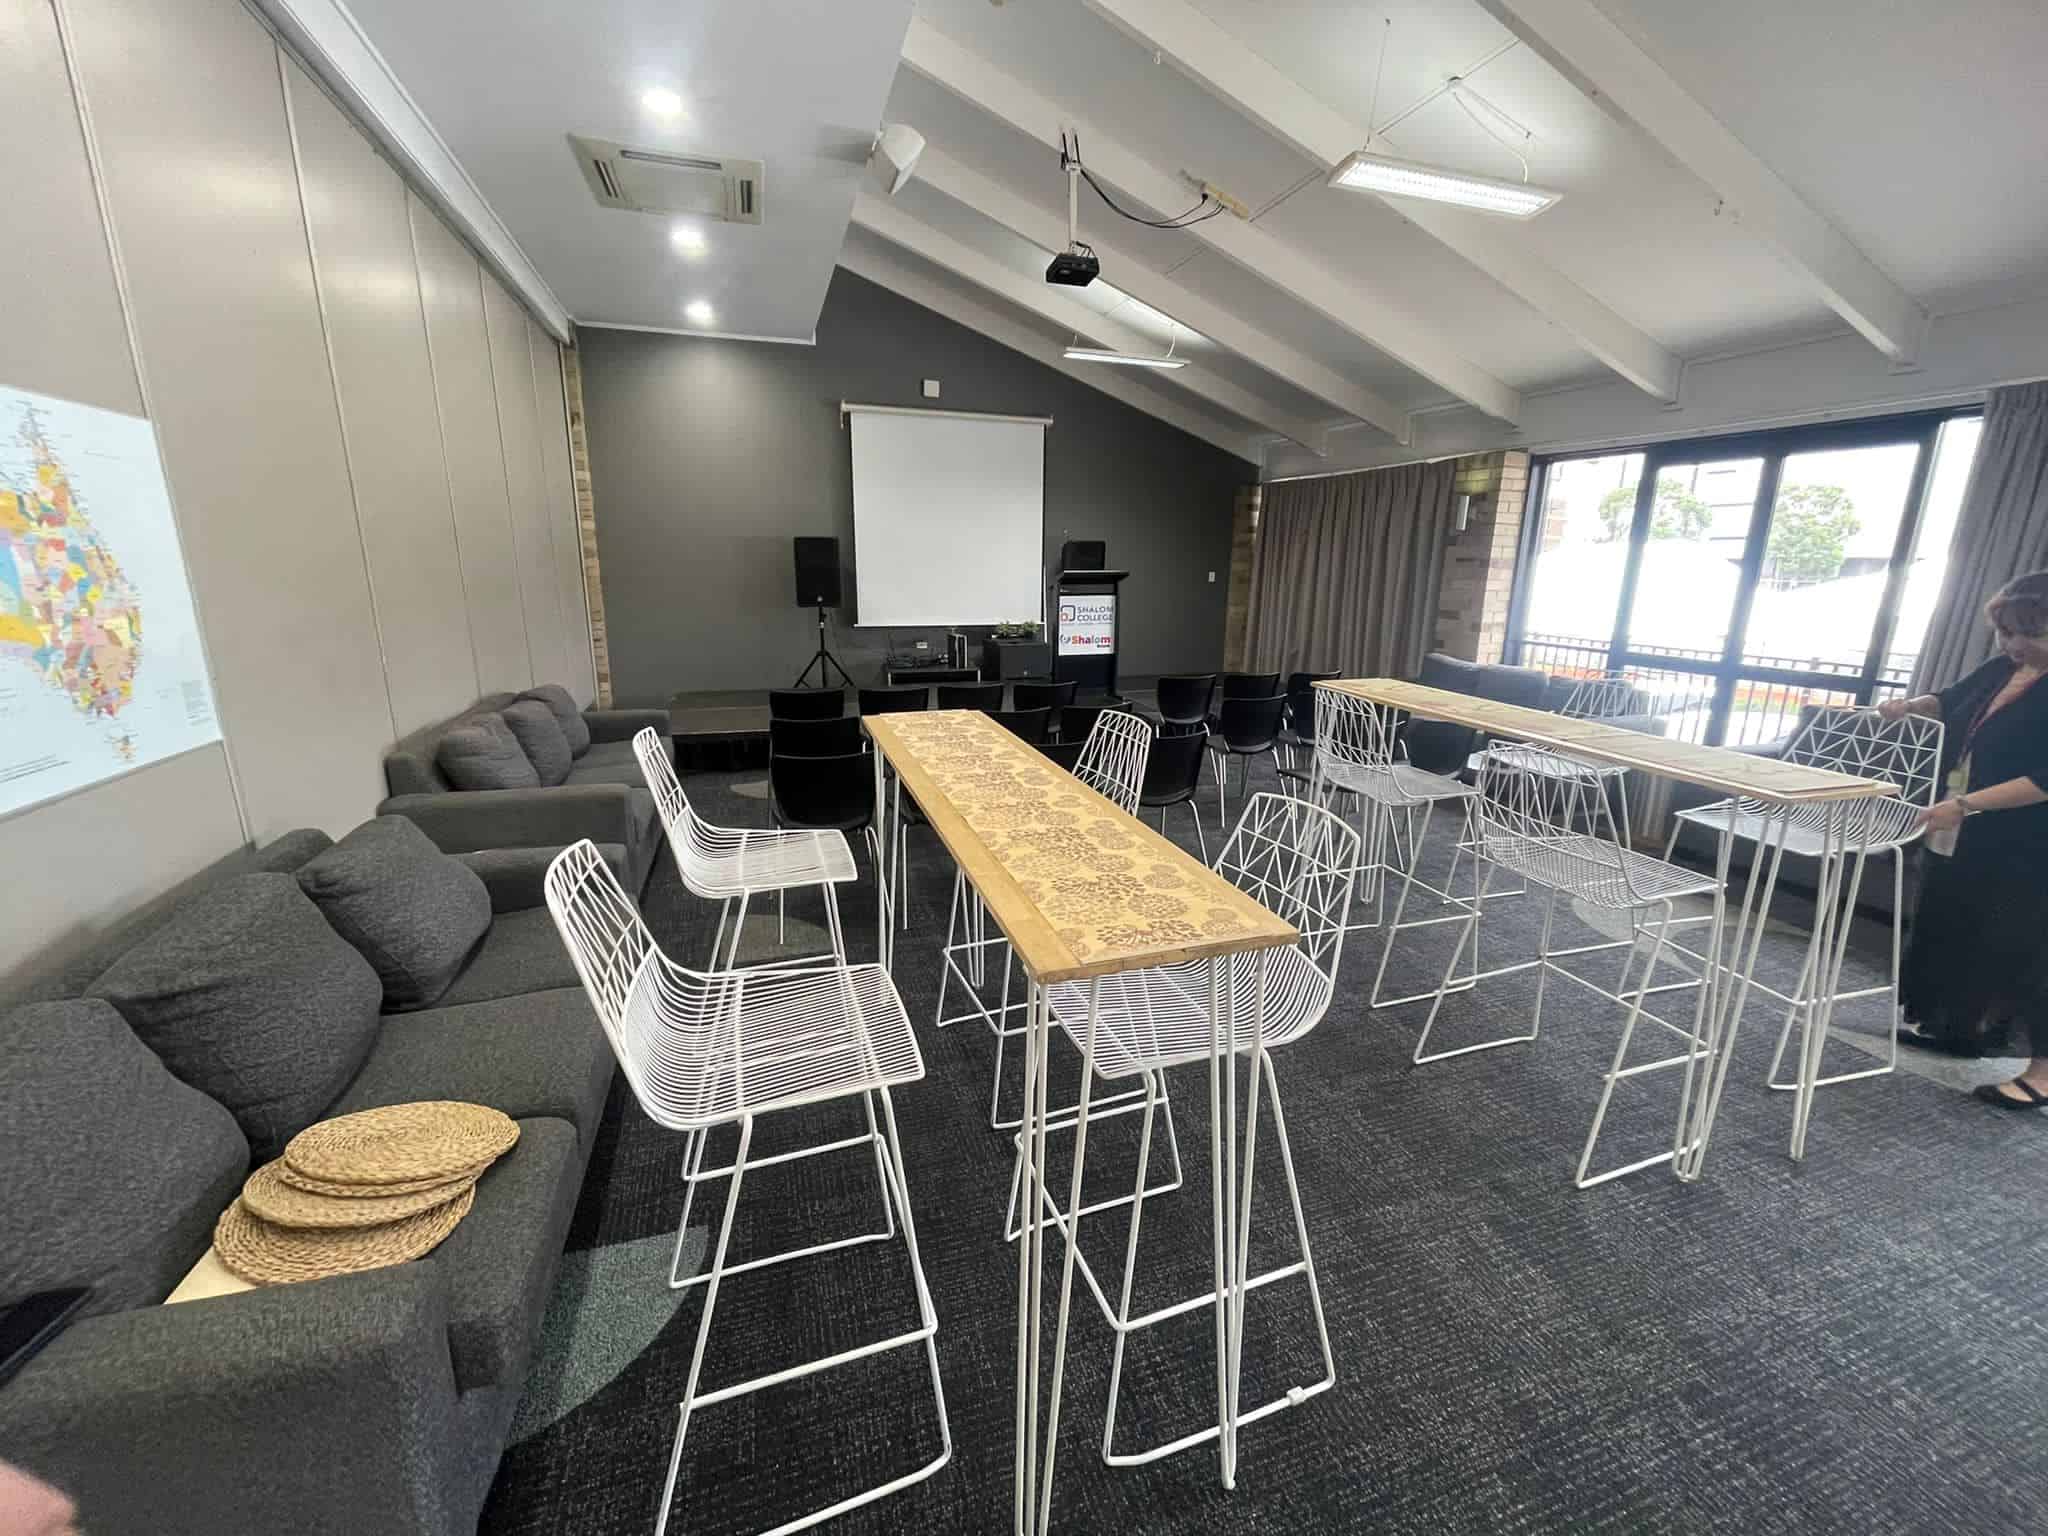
817 573
1083 555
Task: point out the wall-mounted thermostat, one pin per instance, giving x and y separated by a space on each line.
931 389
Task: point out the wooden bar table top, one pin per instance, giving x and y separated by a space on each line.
1742 774
1079 886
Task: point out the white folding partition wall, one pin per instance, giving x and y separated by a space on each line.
948 516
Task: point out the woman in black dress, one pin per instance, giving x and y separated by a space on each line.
1977 971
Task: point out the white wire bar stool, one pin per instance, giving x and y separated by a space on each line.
705 1049
1608 696
1855 741
1300 861
1555 828
736 864
1358 754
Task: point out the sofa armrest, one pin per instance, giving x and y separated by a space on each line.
464 821
515 877
323 1407
624 724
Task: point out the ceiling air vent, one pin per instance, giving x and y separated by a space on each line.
665 182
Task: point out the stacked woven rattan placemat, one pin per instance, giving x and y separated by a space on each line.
362 1191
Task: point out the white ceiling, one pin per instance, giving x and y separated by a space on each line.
1913 131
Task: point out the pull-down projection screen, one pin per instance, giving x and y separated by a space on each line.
948 518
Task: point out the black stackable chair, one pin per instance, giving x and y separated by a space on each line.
1066 751
1245 729
834 790
1298 725
1053 696
1243 685
814 738
889 701
1184 703
1173 774
926 675
1077 720
1029 724
987 697
806 703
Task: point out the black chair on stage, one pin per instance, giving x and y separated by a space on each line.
927 675
1053 696
1184 704
1298 724
1029 724
1245 729
889 701
986 697
806 703
1173 773
814 738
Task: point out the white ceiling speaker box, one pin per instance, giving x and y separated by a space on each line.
662 181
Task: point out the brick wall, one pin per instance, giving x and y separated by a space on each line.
1244 528
1479 564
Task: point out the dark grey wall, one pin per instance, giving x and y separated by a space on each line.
708 456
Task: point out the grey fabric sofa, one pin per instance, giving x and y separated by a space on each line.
1437 746
604 799
368 1402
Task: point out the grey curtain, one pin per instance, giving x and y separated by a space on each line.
2001 532
1345 572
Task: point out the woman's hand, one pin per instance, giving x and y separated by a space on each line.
1895 709
1943 816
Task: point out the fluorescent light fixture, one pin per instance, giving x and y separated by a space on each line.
1128 359
662 102
699 312
1362 171
688 239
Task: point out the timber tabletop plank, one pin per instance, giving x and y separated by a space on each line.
1720 768
1079 887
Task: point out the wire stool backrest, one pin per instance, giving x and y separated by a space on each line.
1907 752
697 843
1606 697
1355 740
1113 761
604 934
1297 860
1540 817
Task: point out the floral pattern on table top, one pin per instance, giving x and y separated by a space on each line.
1109 886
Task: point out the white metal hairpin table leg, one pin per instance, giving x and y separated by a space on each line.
1835 921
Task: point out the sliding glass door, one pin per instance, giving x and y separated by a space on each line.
1740 580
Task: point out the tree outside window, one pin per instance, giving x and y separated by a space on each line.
1677 513
1810 532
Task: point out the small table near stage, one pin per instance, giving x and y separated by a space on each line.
1082 890
1841 805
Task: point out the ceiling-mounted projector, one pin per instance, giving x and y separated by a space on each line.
894 156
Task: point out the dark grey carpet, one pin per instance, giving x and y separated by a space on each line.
1859 1344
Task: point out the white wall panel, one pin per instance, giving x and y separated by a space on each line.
187 107
451 287
519 431
376 337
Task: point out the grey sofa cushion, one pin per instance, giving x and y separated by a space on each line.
501 1259
523 952
537 1054
251 998
575 729
593 770
610 752
412 911
533 726
484 754
117 1171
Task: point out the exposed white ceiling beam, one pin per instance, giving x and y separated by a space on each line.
878 215
1589 50
899 278
1347 300
1231 71
326 37
989 198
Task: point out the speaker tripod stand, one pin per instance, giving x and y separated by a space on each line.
825 662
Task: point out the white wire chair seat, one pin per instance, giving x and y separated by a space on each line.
1390 784
719 863
1805 827
702 1049
1592 869
1157 1018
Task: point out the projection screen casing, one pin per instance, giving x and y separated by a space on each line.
948 518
